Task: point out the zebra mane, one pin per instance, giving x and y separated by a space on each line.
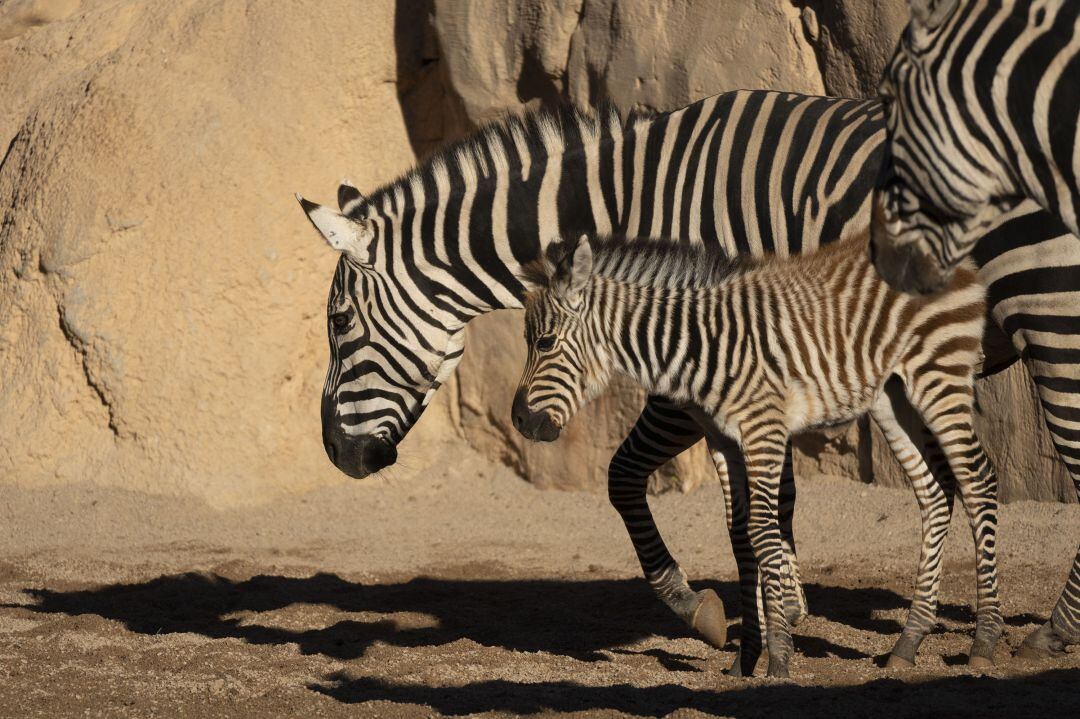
653 263
663 263
545 132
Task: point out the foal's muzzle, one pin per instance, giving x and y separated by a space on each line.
537 426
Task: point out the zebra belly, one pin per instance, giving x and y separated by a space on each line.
807 408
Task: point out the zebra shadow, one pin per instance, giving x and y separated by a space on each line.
586 619
1049 693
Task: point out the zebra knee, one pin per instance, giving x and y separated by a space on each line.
627 494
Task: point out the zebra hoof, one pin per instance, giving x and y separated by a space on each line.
1043 643
1031 653
738 669
778 669
976 662
709 620
898 662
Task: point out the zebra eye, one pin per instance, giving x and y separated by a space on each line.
340 321
545 343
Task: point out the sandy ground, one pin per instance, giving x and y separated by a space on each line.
451 587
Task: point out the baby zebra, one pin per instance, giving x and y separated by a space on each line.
759 350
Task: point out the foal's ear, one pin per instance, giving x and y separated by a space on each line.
929 14
573 270
344 234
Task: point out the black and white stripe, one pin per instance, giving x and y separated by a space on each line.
746 172
761 351
983 106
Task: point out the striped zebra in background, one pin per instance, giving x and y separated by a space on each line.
762 350
747 172
983 111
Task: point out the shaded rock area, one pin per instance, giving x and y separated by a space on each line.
162 299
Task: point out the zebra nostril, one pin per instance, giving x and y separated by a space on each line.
331 451
519 412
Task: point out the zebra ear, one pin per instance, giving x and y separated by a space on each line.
348 197
929 14
344 234
573 272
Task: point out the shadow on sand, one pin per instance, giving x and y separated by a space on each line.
588 620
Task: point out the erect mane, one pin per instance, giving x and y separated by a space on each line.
663 262
499 144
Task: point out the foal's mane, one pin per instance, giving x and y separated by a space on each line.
663 262
649 262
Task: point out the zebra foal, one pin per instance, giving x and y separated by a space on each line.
758 350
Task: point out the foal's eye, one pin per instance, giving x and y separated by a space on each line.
545 343
340 321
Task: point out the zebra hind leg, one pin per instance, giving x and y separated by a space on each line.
661 432
934 494
1063 628
948 412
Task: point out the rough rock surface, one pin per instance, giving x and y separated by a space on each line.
162 298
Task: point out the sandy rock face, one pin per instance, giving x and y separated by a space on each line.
162 320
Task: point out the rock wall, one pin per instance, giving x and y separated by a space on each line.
162 298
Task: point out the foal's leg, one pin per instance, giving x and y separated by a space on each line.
764 443
947 408
935 499
731 471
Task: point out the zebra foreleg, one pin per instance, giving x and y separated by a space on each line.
731 471
790 579
764 447
660 433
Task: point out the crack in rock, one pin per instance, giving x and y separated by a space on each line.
80 346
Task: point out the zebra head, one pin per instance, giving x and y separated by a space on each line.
565 367
389 349
936 193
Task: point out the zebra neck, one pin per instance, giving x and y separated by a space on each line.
473 238
635 332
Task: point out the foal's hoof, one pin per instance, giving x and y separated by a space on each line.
778 669
898 662
709 620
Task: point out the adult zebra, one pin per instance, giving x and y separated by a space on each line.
748 172
983 110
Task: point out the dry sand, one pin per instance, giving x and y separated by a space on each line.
449 586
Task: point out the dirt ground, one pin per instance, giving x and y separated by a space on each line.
451 587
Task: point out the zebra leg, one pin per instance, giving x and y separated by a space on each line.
790 579
948 411
934 497
661 432
764 446
731 471
1061 410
